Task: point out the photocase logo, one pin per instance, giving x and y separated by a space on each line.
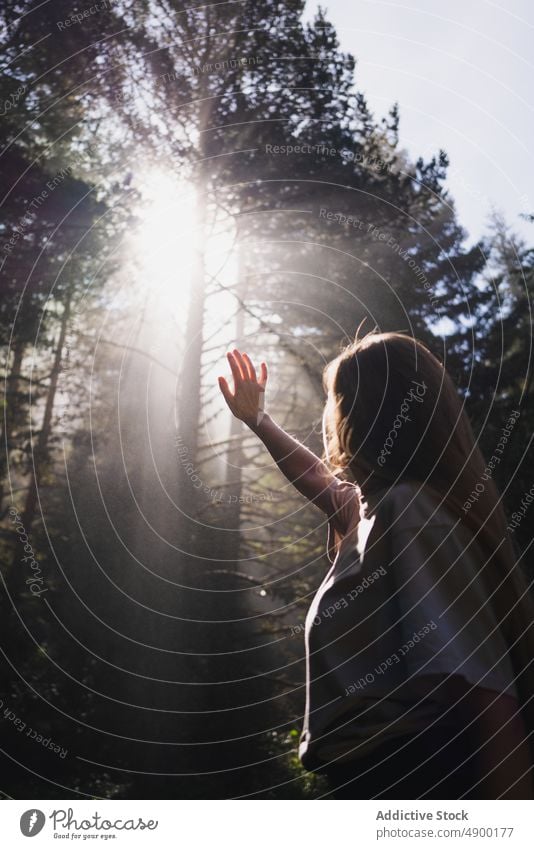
31 822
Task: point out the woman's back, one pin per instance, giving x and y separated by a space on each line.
403 601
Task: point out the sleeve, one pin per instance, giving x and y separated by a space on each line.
446 623
344 516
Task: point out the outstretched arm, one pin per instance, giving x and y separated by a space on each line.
300 465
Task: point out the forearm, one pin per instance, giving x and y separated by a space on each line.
301 467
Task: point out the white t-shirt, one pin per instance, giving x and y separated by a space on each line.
403 599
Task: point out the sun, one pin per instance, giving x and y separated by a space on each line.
167 251
166 239
167 242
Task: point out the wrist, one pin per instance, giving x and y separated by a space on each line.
257 426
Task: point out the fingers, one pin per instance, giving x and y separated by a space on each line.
225 389
251 369
243 368
242 364
236 370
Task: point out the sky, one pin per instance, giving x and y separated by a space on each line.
462 72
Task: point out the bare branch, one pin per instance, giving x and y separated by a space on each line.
133 350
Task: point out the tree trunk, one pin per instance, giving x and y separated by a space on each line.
235 456
12 391
189 392
41 449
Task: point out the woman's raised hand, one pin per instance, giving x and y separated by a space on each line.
246 402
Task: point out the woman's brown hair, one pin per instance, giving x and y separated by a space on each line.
394 414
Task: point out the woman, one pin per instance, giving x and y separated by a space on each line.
419 641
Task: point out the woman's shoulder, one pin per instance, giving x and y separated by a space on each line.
411 504
425 535
346 495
